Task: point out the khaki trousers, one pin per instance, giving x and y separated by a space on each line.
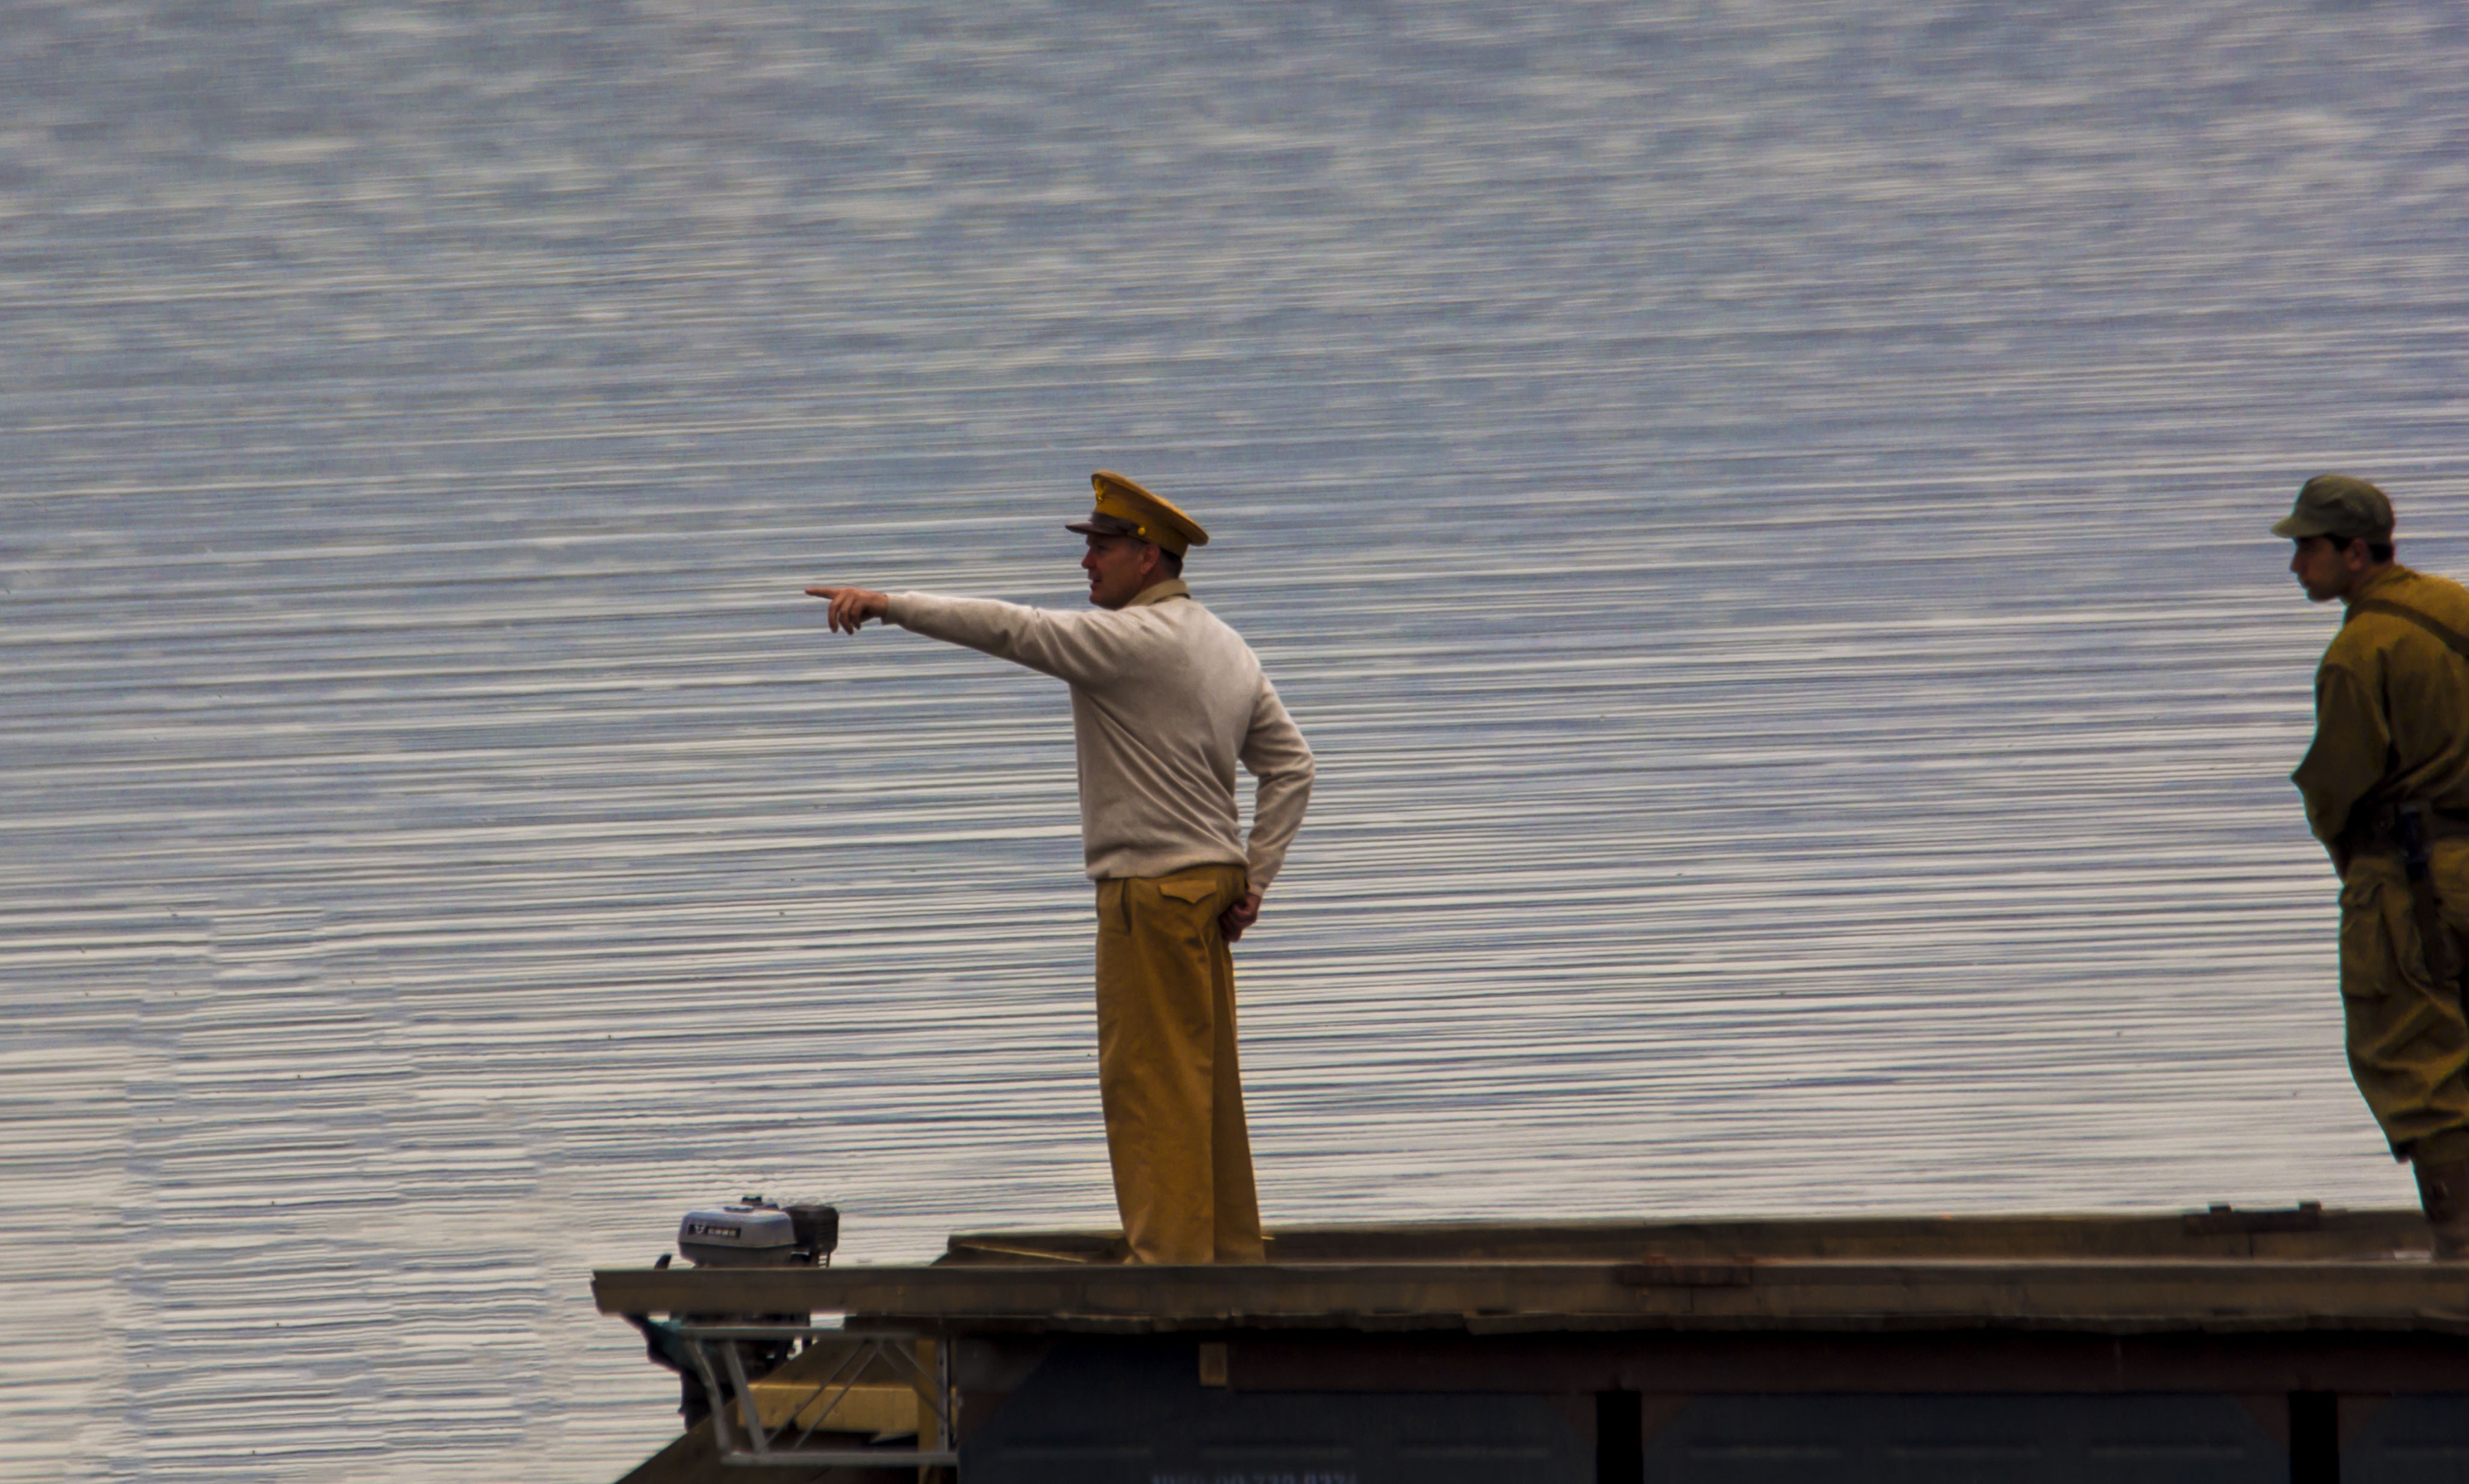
1166 1070
2408 1041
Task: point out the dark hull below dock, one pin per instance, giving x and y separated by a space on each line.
2290 1345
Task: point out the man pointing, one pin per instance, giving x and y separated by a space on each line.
1165 700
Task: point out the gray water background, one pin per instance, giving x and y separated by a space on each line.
1760 508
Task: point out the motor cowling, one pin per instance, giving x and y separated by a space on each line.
749 1232
753 1232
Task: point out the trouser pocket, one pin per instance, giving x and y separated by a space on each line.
2379 947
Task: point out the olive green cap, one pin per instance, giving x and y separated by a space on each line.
2339 505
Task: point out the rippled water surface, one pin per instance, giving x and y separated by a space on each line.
1762 518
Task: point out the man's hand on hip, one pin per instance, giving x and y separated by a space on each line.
1241 915
852 606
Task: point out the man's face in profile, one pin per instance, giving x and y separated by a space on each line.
2324 567
1119 567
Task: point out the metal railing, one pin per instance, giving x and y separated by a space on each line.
840 1384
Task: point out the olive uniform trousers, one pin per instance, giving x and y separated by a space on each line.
2409 1044
1166 1070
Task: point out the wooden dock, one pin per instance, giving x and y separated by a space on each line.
2284 1345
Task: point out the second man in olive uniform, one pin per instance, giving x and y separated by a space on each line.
2386 790
1165 700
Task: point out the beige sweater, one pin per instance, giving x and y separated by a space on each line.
1166 700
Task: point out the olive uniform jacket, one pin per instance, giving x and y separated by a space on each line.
2392 705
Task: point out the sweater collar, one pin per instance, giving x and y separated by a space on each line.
1159 592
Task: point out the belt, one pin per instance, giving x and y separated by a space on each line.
2378 828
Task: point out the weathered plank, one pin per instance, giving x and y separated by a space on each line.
2124 1295
2220 1232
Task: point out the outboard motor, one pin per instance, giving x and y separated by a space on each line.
750 1232
754 1233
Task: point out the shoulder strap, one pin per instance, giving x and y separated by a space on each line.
2452 638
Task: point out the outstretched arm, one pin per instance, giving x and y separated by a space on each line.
852 606
1084 648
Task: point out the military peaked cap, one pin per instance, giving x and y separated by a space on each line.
1125 509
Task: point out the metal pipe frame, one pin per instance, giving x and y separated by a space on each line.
719 1357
